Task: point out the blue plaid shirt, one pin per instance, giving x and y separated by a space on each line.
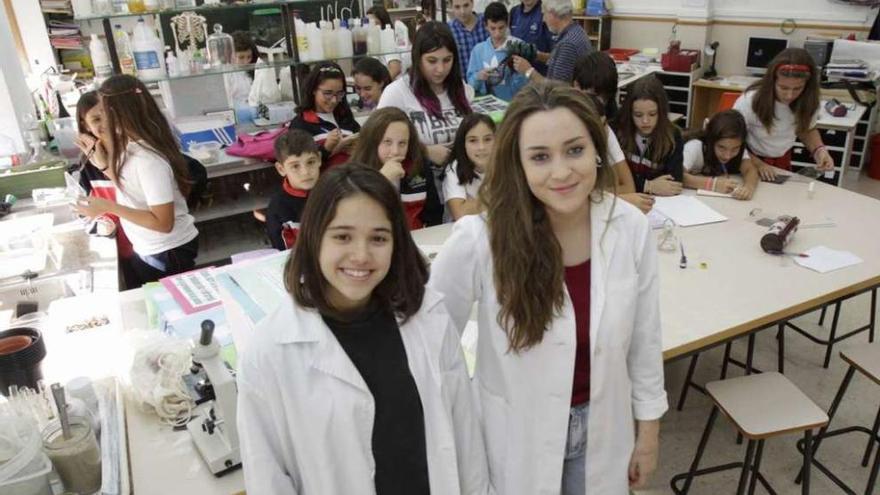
466 40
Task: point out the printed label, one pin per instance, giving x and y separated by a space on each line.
146 60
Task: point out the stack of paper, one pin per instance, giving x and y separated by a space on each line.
686 211
855 69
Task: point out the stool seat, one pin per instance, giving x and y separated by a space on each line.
765 405
866 359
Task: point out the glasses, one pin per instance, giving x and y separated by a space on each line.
333 94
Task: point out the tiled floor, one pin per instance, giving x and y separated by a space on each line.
681 431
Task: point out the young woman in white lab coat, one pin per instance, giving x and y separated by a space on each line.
357 385
569 372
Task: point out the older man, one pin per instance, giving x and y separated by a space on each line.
571 42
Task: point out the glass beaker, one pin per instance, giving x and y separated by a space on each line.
76 459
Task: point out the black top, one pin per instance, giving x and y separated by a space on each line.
372 342
644 170
283 214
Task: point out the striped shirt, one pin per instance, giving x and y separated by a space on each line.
571 43
466 40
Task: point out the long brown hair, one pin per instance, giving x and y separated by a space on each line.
804 106
366 149
729 124
527 257
402 289
131 114
663 138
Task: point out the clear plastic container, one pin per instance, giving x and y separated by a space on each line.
64 130
221 49
24 468
206 152
76 459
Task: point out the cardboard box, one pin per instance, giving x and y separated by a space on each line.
191 130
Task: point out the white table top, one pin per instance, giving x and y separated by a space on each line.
852 118
742 288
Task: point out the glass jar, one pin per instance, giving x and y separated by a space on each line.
76 459
221 49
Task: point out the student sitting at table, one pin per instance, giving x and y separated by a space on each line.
388 143
596 75
782 107
718 151
488 71
470 156
325 114
298 162
370 79
356 384
652 144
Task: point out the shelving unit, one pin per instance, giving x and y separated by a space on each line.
598 29
679 91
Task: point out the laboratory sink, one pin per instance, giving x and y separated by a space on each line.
36 294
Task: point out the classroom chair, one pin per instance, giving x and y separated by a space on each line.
865 360
726 101
833 338
760 406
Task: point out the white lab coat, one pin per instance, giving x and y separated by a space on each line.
525 398
306 415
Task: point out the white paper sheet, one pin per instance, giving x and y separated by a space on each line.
824 259
687 211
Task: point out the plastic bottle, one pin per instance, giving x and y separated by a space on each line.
359 38
123 51
302 39
316 46
100 59
171 63
147 49
328 40
344 46
401 34
387 43
374 40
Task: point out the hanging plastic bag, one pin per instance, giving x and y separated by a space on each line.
265 87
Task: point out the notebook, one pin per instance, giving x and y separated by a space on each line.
687 211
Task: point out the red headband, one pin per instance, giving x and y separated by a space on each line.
795 68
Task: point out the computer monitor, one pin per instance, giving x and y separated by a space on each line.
761 52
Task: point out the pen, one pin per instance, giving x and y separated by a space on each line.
683 262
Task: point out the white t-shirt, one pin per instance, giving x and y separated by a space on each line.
784 134
615 152
693 157
431 130
404 57
147 180
452 189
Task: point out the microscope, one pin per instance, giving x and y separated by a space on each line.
213 428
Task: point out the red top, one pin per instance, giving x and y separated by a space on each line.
577 281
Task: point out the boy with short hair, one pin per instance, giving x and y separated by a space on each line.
467 28
298 161
488 72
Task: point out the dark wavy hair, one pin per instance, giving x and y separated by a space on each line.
320 73
381 14
131 113
464 167
430 37
402 289
527 257
597 71
729 124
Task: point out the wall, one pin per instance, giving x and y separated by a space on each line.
15 98
649 23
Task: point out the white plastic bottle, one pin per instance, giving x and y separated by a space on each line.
374 40
100 59
316 46
344 47
123 51
171 63
401 33
302 39
387 43
328 40
147 49
359 37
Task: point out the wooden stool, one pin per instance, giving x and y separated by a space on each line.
867 361
760 406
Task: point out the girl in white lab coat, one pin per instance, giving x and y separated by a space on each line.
569 369
357 384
